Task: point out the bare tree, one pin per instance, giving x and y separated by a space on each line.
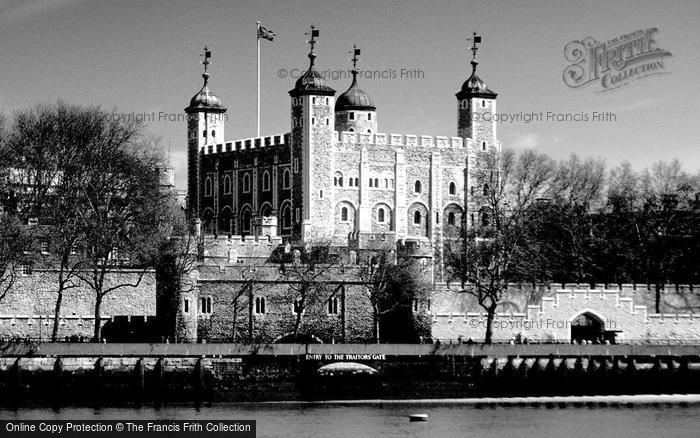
392 284
46 176
495 252
306 277
122 207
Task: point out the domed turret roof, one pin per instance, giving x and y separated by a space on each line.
311 82
475 87
205 100
355 98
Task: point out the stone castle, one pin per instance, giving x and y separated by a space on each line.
334 176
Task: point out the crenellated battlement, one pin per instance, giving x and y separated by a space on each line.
552 318
407 140
247 144
237 240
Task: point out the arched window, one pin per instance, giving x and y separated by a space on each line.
386 183
483 103
371 181
286 217
369 116
451 218
376 182
351 182
344 214
417 218
357 182
227 184
369 131
245 221
338 179
204 133
320 194
328 121
417 187
453 188
483 145
246 183
207 187
485 219
351 130
213 133
352 116
380 215
286 179
266 182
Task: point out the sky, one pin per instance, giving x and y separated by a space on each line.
142 57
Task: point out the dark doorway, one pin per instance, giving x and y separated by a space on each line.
587 327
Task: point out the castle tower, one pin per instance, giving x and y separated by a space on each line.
354 109
313 122
205 126
475 104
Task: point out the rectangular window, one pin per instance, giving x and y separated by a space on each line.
187 306
26 270
296 307
415 304
205 305
259 305
333 306
296 214
44 247
296 165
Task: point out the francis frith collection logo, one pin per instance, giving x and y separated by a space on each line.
615 63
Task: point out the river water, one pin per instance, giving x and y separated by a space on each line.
390 419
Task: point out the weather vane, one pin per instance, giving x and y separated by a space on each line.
313 34
355 53
207 56
475 39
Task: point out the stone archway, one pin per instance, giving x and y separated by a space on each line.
587 326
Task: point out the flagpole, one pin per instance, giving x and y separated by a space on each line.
257 37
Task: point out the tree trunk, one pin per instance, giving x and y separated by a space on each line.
250 315
376 324
297 323
57 314
490 313
98 326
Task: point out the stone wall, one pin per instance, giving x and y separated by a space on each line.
683 298
551 320
234 294
28 308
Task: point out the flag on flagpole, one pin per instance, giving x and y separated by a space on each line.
314 33
266 33
357 52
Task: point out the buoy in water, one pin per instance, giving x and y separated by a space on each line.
418 417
